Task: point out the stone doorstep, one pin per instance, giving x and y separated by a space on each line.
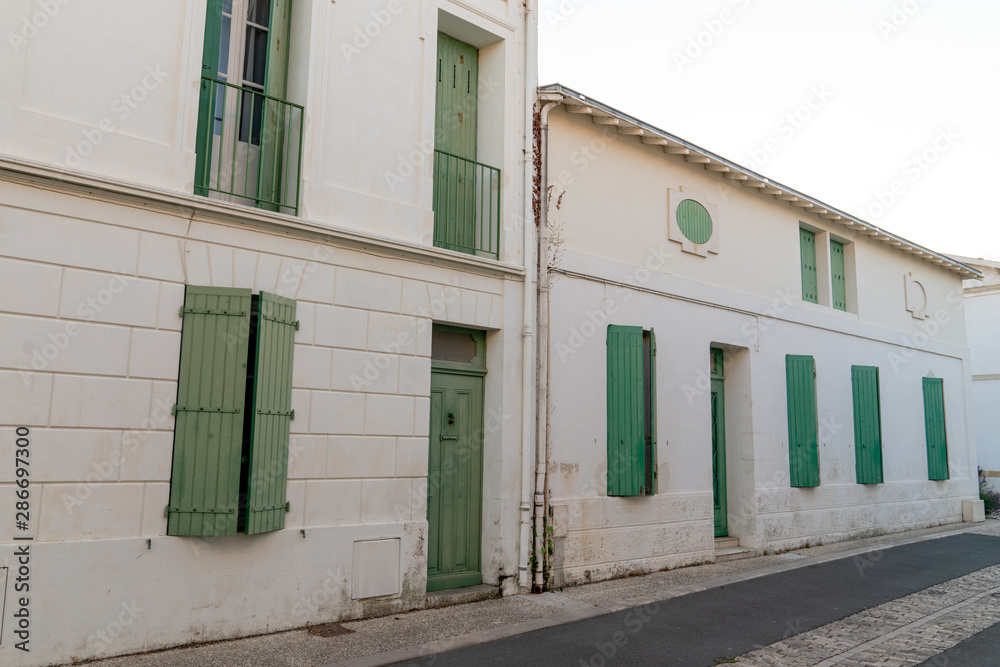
454 596
728 548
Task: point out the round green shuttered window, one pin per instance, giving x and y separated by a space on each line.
694 221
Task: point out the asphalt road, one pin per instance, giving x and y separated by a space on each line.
713 626
979 650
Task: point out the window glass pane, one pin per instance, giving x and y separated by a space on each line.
257 11
256 57
227 6
453 346
227 26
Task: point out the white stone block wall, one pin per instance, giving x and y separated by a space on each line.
89 362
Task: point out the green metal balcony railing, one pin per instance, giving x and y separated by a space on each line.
466 205
249 147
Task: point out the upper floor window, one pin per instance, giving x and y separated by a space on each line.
249 136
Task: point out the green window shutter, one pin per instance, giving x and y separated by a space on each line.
208 433
626 406
934 426
803 447
651 485
272 413
274 114
807 241
867 424
206 99
838 275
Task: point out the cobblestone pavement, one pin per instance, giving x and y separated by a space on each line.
900 633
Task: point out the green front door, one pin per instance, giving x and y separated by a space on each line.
455 481
719 444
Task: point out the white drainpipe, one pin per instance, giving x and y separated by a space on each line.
541 456
527 349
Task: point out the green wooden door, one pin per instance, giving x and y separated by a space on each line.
455 481
719 445
455 140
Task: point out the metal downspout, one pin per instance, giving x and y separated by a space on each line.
528 297
541 455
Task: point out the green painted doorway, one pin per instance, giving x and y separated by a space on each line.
718 378
456 127
455 471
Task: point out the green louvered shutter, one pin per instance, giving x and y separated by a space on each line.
626 408
867 424
272 414
275 116
803 447
208 433
934 426
838 275
206 98
807 241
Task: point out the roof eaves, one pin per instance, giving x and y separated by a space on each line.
602 114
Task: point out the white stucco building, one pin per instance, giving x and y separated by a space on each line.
982 317
253 253
729 358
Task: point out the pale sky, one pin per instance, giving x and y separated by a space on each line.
905 93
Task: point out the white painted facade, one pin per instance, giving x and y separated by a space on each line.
982 316
616 257
99 234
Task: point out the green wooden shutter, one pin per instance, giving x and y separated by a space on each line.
272 413
275 120
934 426
867 424
839 275
651 482
803 447
626 423
807 242
211 391
206 98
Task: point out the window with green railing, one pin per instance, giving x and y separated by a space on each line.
249 143
466 192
